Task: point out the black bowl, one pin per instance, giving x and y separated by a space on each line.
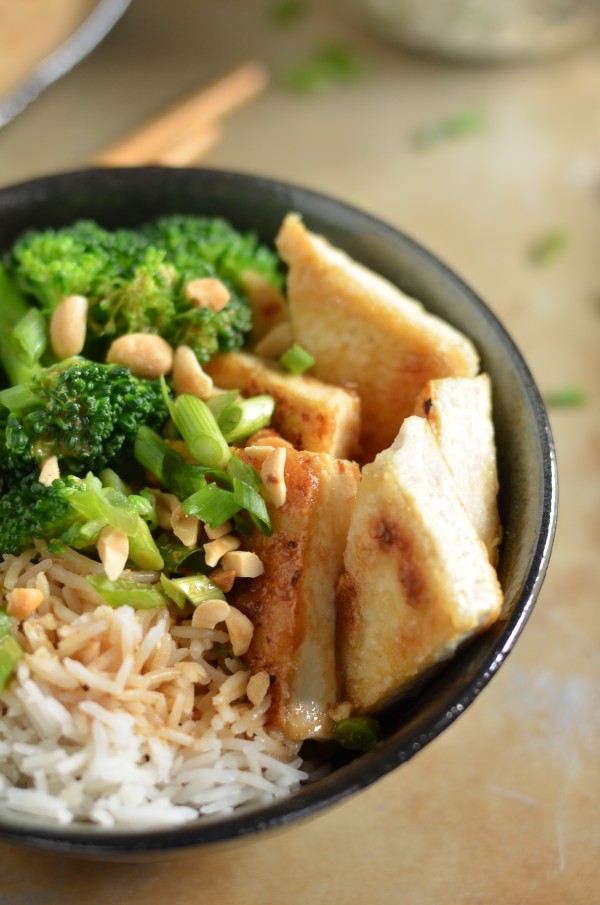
527 467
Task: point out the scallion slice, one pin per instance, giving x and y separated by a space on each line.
10 654
191 588
296 360
128 593
358 733
199 429
211 504
240 419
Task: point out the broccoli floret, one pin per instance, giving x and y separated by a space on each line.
82 259
188 239
85 413
73 511
135 279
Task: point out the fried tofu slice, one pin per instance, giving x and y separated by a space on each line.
292 605
362 330
310 414
417 579
459 412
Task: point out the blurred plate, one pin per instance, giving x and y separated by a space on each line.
44 41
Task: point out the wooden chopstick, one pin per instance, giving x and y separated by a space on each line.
184 131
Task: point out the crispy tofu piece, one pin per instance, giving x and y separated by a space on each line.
459 412
364 331
310 414
417 580
292 605
267 302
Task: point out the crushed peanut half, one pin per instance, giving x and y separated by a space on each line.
68 326
185 527
223 578
49 471
272 474
21 602
113 550
166 504
258 686
189 376
209 613
240 630
215 549
207 292
243 563
218 530
145 354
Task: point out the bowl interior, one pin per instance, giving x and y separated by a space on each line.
526 460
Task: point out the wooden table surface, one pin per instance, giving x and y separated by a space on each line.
504 807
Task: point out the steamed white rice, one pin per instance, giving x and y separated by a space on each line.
125 718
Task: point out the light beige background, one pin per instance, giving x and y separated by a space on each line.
504 807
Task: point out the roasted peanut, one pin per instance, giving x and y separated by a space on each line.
258 686
68 326
145 354
243 563
49 471
215 549
189 376
210 612
113 550
23 601
207 292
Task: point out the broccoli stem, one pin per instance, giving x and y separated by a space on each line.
23 333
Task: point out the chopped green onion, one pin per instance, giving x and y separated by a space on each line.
199 429
179 559
243 471
358 733
250 499
463 122
128 593
18 397
143 550
218 402
549 245
246 416
10 654
191 588
284 12
154 454
211 504
144 504
30 336
569 396
296 360
185 480
5 623
110 478
330 64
